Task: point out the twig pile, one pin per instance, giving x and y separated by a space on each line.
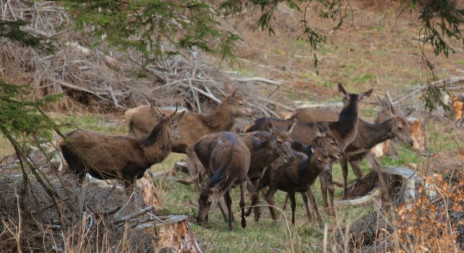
104 79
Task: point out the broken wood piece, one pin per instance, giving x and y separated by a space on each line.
150 198
173 234
360 201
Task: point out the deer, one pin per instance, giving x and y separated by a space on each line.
264 146
228 164
390 123
344 130
300 174
194 125
121 157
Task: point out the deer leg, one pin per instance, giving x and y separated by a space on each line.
254 197
315 207
331 188
192 167
243 187
344 164
285 202
228 201
223 212
377 167
323 182
270 201
304 196
356 166
291 195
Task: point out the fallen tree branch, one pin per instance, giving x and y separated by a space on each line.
86 51
440 84
360 201
131 216
259 79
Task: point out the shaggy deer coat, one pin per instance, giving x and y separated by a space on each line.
122 157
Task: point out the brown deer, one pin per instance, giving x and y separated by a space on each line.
121 157
264 146
228 165
390 123
344 130
194 125
301 173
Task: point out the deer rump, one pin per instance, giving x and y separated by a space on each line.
227 164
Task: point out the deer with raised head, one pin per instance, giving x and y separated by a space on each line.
227 166
264 146
194 125
344 130
122 157
300 174
390 123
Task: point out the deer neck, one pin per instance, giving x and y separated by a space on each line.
157 145
376 133
349 114
220 120
308 169
347 124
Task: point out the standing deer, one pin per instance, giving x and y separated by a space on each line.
264 146
390 123
344 130
301 173
194 125
228 165
122 157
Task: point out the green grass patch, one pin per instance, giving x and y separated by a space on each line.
405 156
92 122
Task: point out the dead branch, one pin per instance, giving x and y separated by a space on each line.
360 201
256 79
450 83
131 216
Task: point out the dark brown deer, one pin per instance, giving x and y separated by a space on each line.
264 146
228 165
121 157
344 130
390 123
194 125
301 173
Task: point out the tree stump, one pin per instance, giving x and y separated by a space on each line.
148 191
172 234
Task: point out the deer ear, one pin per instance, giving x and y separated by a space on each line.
320 133
178 117
227 87
365 94
154 112
236 93
342 90
291 127
270 126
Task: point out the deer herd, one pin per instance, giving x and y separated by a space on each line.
272 154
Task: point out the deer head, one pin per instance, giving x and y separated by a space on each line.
236 104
